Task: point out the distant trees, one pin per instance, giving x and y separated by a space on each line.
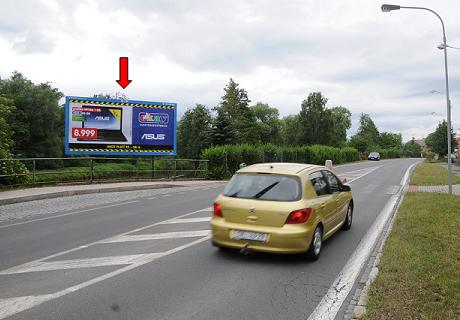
194 132
236 122
235 103
341 119
266 126
412 149
390 140
6 132
291 132
368 138
37 120
7 143
315 120
437 140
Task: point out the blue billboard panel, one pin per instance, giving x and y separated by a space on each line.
120 127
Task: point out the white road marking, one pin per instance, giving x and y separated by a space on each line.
75 263
342 285
67 214
352 176
12 306
152 198
104 240
157 236
189 220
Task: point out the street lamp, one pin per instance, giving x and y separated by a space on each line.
443 46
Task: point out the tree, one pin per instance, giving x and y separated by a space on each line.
341 119
6 133
389 140
437 140
235 103
38 122
360 143
194 132
368 130
223 131
267 124
315 120
8 167
412 149
291 132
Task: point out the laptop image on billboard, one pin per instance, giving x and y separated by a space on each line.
107 120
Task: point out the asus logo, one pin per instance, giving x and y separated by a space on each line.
153 136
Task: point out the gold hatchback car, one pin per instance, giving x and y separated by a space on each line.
281 208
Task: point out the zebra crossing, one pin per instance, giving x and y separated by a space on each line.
145 239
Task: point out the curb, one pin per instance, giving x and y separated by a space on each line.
59 194
357 306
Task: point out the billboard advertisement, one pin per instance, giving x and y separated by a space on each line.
119 127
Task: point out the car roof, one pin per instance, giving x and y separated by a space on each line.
279 168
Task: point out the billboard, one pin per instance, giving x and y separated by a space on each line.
119 127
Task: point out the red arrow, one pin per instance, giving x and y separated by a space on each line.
123 81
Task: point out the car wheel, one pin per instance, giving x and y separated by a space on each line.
316 244
348 218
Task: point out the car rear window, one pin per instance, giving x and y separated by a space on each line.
263 187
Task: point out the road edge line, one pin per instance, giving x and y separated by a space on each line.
337 293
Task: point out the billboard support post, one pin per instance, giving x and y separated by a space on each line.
91 172
175 169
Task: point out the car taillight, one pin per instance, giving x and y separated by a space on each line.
217 210
299 216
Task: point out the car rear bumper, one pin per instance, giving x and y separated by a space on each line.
287 239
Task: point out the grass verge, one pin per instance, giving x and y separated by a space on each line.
419 274
430 174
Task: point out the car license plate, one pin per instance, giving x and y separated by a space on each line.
248 235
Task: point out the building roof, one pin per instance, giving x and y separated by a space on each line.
421 143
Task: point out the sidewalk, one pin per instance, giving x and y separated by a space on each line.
442 188
30 194
455 168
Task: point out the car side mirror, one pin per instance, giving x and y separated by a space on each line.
346 188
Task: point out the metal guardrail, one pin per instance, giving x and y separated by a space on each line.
39 171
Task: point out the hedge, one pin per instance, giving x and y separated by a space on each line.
225 160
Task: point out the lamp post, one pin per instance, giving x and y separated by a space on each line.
443 46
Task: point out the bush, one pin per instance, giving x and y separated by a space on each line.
225 160
17 170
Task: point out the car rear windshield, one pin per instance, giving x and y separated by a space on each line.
263 187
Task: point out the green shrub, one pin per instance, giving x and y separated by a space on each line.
16 170
225 160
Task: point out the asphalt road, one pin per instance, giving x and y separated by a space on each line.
149 257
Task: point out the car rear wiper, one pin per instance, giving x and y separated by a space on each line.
233 195
265 190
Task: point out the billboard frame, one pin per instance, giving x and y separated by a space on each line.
118 103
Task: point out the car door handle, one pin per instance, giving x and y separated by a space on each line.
323 205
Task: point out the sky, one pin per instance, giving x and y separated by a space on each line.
383 64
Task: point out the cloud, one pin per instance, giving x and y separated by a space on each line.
34 43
